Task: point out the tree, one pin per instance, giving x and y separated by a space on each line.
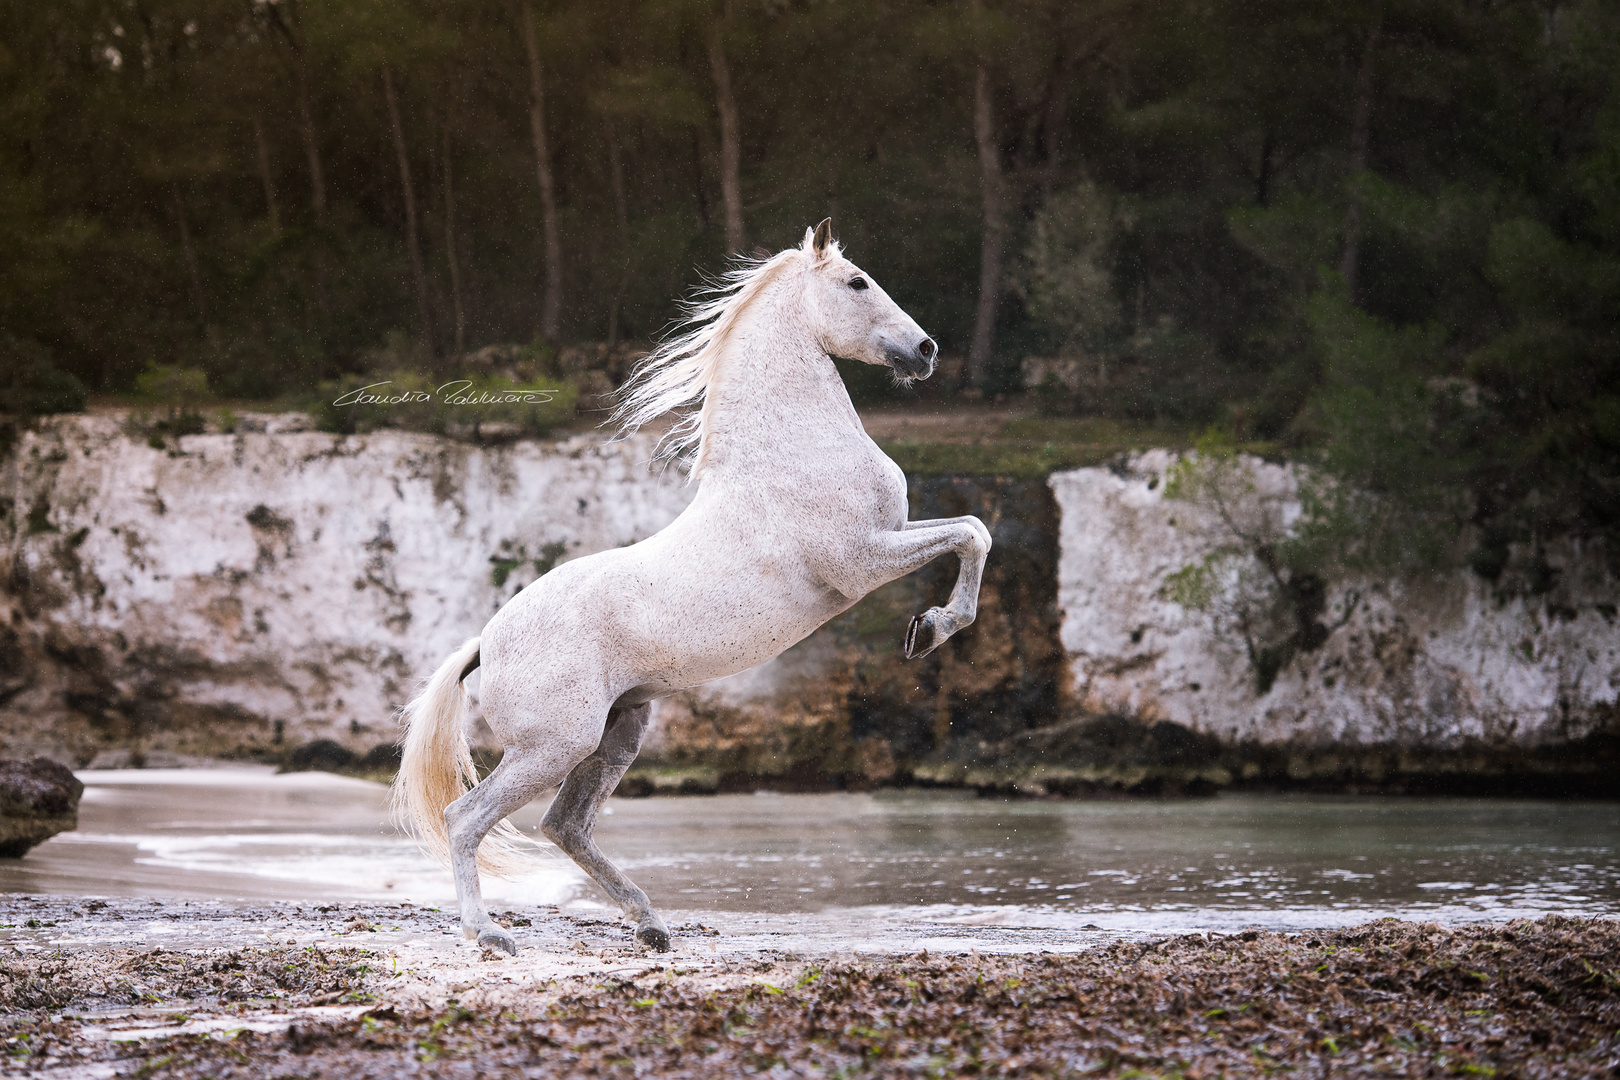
730 146
1360 133
551 303
413 244
286 21
994 230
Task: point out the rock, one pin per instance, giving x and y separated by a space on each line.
320 755
38 799
273 597
146 620
1450 663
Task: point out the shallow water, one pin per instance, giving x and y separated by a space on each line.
1237 860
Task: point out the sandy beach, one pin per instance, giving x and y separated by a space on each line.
104 988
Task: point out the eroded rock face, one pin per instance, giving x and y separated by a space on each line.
1084 676
245 594
1454 673
275 594
38 799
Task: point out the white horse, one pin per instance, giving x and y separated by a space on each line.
797 516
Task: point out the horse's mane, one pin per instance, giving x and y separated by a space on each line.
683 369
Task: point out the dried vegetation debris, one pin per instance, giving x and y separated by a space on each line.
1526 999
104 979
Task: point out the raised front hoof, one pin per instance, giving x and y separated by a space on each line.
926 633
499 940
653 934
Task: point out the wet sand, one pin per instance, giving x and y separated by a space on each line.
98 988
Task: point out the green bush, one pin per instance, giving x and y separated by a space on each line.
30 385
180 388
1070 264
178 391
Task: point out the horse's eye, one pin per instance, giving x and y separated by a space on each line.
857 283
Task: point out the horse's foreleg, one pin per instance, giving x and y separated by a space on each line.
965 519
572 818
914 546
521 775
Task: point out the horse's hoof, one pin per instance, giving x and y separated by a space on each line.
497 939
923 636
653 934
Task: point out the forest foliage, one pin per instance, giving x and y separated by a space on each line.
1383 234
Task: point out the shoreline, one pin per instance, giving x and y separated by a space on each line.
131 987
1342 775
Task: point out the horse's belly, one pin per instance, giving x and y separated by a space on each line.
714 594
726 643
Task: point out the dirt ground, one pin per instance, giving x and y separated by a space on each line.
387 990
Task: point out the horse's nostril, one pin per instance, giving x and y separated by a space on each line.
928 348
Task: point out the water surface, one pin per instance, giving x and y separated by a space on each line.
1236 860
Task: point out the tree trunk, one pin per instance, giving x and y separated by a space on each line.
266 176
984 320
1360 133
424 306
730 151
450 248
551 301
1053 116
699 152
193 271
284 18
1262 183
312 146
621 211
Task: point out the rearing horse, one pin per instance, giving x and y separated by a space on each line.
797 516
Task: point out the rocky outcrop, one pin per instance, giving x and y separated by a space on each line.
1452 681
274 593
245 594
38 799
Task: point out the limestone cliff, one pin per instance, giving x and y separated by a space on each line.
275 591
1451 673
250 592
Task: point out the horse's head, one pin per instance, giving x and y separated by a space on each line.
858 321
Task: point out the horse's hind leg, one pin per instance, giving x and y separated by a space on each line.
572 817
521 775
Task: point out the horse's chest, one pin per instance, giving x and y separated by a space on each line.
861 501
871 490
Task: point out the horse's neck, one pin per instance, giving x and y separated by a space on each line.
777 395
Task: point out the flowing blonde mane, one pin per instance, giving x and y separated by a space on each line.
683 369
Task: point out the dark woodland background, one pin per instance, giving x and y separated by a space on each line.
1383 235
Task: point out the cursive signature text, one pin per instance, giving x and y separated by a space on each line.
455 392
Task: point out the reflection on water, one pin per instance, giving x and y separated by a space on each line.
249 834
1233 860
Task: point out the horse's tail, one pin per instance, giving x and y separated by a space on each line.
436 768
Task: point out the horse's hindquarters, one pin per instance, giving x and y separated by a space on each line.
544 684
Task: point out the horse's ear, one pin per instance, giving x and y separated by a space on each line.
823 237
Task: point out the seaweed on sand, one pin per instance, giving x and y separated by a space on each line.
1525 999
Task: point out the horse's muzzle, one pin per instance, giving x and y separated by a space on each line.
917 363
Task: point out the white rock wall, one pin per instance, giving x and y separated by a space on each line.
305 578
1433 664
